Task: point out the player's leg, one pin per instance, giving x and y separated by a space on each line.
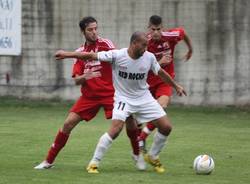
152 111
160 138
163 95
146 131
149 128
164 128
103 145
60 140
62 136
83 109
131 128
164 101
131 125
133 133
119 115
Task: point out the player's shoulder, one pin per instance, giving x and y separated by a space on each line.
175 29
120 53
80 49
104 42
173 32
148 54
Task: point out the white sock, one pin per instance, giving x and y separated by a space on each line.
104 143
157 145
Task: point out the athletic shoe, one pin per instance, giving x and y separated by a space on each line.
92 169
44 165
155 163
139 161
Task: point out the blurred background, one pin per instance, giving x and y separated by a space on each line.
32 30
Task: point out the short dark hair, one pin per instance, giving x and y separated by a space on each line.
86 21
136 36
155 20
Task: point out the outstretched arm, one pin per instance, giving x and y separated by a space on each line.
190 48
61 54
168 79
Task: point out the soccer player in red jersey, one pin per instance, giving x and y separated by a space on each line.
97 90
162 44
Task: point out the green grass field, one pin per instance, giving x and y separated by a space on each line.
27 129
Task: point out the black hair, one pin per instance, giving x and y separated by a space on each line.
85 22
155 20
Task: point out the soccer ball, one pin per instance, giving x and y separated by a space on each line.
203 164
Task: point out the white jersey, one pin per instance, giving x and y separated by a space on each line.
130 75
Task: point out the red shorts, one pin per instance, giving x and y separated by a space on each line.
161 89
87 108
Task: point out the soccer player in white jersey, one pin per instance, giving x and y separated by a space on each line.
130 67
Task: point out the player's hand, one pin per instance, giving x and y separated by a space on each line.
180 90
164 61
188 55
92 73
60 54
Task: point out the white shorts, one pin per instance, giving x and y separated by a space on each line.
143 112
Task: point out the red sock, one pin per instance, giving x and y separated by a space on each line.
144 134
151 126
133 136
58 144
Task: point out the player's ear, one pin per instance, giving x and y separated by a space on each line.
83 32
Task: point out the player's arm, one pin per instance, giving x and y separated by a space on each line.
61 54
165 60
88 74
79 79
189 45
168 79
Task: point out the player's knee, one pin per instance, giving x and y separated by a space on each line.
164 101
166 129
115 131
164 105
68 127
169 129
115 135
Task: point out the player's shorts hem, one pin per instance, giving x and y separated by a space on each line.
81 116
117 117
149 120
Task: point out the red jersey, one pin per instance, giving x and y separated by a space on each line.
165 46
99 86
